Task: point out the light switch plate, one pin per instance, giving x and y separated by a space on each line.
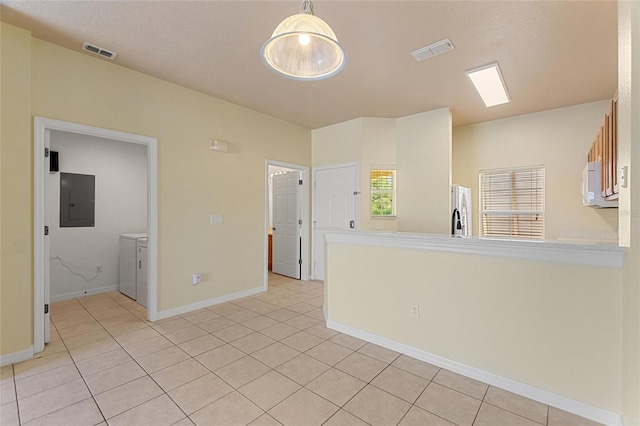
624 176
216 218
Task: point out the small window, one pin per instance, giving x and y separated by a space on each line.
512 203
383 192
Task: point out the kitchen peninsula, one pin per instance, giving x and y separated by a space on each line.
542 319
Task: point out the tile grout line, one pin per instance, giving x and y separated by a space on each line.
15 391
104 418
193 358
147 374
298 330
79 373
93 396
85 308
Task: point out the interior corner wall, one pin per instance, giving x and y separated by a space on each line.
120 171
378 150
337 144
424 172
16 276
559 140
46 80
629 155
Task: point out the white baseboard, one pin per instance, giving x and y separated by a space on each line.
83 293
15 357
562 402
209 302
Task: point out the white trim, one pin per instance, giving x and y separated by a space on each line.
83 293
16 357
209 302
313 204
305 253
577 254
42 127
562 402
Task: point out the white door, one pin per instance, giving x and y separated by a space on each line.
286 224
334 206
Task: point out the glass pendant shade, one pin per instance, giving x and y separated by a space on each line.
304 47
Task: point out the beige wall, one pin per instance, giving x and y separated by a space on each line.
337 144
629 154
16 291
193 181
366 141
378 149
419 146
560 140
424 172
553 326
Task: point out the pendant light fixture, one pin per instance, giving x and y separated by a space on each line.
304 47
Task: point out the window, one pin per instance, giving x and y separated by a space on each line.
383 192
512 203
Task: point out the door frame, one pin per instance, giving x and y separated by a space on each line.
313 205
305 250
42 130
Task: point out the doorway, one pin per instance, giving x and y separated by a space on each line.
286 223
335 207
43 129
287 246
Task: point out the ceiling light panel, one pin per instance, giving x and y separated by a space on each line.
489 84
434 49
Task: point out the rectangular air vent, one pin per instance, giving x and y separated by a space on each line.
99 51
433 49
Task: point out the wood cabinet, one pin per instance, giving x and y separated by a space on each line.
605 150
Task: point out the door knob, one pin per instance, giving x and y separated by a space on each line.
273 227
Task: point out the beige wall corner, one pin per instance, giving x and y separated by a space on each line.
424 172
629 154
16 278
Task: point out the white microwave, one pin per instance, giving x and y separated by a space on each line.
591 188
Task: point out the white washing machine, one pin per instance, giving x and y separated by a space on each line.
128 264
141 274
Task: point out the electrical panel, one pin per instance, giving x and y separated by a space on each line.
77 200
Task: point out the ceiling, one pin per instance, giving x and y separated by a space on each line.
551 53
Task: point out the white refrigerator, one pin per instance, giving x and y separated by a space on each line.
461 223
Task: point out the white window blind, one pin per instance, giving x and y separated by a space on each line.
512 203
383 192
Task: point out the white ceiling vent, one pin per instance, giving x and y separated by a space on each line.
433 49
99 51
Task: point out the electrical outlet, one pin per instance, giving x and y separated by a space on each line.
197 277
415 311
98 268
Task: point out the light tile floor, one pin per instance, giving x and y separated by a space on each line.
262 360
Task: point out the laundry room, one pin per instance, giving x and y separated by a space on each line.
97 190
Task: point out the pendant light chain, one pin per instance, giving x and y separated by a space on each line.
306 7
